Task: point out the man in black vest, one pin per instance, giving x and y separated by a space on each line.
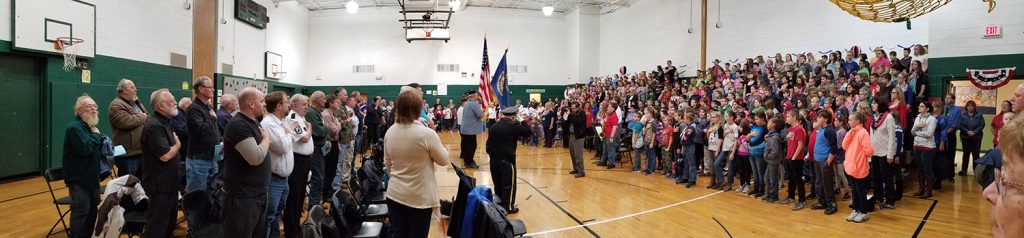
501 146
246 172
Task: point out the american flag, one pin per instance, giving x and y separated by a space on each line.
486 93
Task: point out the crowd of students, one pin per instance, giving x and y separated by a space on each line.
845 123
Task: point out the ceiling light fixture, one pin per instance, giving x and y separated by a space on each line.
454 4
548 10
352 7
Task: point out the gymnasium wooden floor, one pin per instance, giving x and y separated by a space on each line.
619 203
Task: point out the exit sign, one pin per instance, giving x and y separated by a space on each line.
993 31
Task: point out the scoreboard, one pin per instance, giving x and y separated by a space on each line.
251 13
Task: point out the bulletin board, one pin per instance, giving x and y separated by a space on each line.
965 91
233 85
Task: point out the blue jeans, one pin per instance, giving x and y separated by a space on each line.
638 154
652 156
199 173
690 153
359 142
128 165
316 181
720 162
345 159
277 196
758 165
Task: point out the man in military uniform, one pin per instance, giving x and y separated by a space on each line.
501 146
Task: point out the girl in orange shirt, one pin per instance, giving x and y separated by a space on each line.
858 149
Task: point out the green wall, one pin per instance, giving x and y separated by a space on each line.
941 70
60 89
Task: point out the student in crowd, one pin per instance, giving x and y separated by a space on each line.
686 166
714 145
757 163
773 155
825 149
924 148
883 161
858 150
796 138
729 134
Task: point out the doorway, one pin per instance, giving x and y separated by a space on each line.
20 81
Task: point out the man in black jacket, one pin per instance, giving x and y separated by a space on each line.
576 125
501 146
204 135
374 117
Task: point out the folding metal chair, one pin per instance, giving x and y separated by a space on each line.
55 175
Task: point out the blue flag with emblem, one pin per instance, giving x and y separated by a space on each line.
499 83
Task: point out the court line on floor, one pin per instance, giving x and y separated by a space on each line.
560 208
723 227
622 217
925 219
29 195
620 182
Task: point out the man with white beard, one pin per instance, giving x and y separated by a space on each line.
161 165
82 143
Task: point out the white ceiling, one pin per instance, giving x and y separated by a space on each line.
534 5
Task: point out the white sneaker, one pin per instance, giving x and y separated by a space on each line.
852 215
746 189
860 218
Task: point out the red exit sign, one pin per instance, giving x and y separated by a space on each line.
993 31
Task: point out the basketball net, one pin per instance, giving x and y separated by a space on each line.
427 31
68 47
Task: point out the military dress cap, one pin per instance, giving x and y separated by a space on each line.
510 111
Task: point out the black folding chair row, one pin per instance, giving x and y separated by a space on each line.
345 212
459 206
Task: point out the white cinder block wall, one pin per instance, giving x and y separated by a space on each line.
647 34
583 27
338 40
243 46
146 30
957 29
5 20
794 26
650 32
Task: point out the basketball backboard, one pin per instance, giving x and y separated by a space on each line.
38 23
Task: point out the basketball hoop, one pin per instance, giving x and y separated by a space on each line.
68 46
279 74
427 31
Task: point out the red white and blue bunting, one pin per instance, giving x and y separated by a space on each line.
988 79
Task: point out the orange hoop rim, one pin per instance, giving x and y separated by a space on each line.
60 42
